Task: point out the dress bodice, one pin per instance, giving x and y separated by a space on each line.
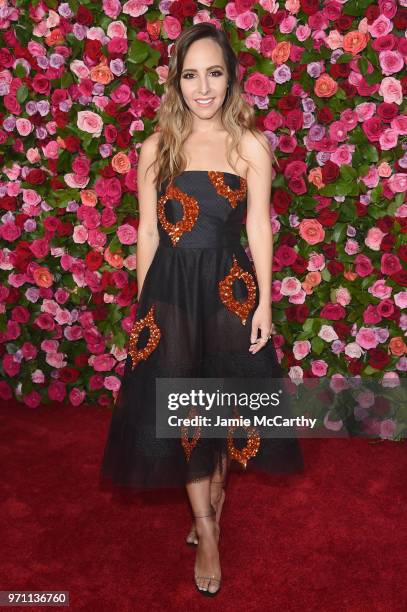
202 209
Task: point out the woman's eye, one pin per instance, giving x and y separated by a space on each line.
188 74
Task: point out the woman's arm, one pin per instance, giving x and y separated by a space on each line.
147 233
258 224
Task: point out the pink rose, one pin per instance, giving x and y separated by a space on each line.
400 299
399 124
171 25
343 296
388 8
391 90
77 396
380 290
366 338
24 126
57 391
319 367
40 247
301 348
290 285
116 29
112 8
127 234
388 140
380 27
327 333
365 111
398 182
391 62
374 238
387 429
247 20
11 367
90 122
32 399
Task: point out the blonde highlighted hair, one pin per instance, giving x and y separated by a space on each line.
174 119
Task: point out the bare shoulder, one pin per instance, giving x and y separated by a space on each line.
256 149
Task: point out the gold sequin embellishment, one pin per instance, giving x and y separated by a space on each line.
190 208
186 444
241 309
155 334
233 195
242 455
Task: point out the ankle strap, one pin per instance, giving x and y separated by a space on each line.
212 512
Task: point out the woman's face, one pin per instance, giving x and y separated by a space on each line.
204 78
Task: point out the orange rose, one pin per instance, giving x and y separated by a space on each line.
315 177
101 74
114 259
397 346
349 275
313 278
281 52
311 231
121 163
43 277
55 38
88 197
354 42
325 86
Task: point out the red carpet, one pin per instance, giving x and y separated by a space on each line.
333 539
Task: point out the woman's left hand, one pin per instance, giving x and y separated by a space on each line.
261 321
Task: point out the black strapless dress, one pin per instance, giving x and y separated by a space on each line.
193 320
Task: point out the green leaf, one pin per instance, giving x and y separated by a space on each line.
348 173
318 345
22 93
139 51
370 153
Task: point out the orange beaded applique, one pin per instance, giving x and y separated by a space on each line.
155 334
241 309
190 208
233 195
187 445
242 455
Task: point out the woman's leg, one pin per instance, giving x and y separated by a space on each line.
217 495
207 563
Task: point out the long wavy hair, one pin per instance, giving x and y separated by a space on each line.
174 118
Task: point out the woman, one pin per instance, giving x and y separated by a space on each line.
201 305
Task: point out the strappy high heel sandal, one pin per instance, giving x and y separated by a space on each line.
192 538
211 578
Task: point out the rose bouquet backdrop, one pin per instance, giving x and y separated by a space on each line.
80 84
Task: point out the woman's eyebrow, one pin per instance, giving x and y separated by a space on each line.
194 70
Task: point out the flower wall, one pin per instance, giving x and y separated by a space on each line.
80 84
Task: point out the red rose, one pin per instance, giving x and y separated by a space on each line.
268 23
41 84
300 265
387 111
6 59
400 278
402 252
294 119
84 16
344 23
72 143
310 7
335 267
372 13
36 177
329 250
93 49
400 20
93 260
333 312
325 115
8 203
281 200
330 172
298 313
287 103
378 358
361 209
328 217
373 128
355 367
342 329
387 244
